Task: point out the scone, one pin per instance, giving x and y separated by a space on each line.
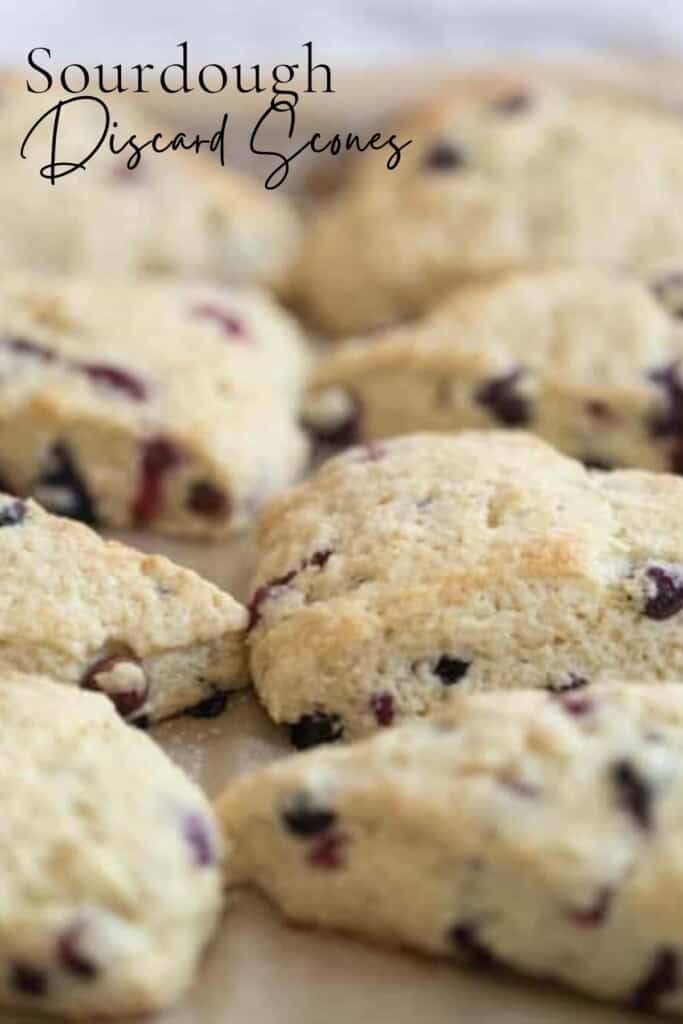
410 568
537 832
176 213
499 176
155 638
110 860
589 360
158 404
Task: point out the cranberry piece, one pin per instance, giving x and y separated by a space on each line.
263 593
208 501
595 914
572 682
445 156
661 978
71 955
116 379
465 936
159 456
228 324
304 818
634 794
500 396
513 103
27 979
667 599
210 707
61 489
122 678
310 730
197 833
13 513
23 347
451 670
668 289
382 706
328 851
518 786
576 703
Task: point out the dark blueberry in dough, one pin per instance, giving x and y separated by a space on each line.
141 722
572 682
502 399
310 730
451 670
196 832
160 455
105 676
513 103
27 979
668 597
661 978
382 706
668 423
304 818
669 290
208 501
595 914
116 379
210 707
319 558
71 956
597 462
12 513
634 794
61 489
465 937
23 347
263 593
445 156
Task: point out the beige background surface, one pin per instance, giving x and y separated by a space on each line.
258 970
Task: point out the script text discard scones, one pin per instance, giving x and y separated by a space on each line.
110 865
410 568
532 831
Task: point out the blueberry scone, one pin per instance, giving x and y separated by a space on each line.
110 864
499 176
151 404
176 213
539 832
155 638
591 361
410 568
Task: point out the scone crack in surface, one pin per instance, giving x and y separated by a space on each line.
476 561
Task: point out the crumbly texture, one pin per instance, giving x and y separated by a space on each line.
591 361
409 569
536 832
500 176
111 883
165 405
177 213
86 612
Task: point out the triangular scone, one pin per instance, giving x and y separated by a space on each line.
177 213
538 832
96 614
411 568
589 360
171 406
499 176
109 864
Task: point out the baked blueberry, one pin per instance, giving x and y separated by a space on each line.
501 397
318 727
61 489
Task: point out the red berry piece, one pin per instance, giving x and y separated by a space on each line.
116 379
595 914
382 707
329 851
122 678
229 324
159 457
